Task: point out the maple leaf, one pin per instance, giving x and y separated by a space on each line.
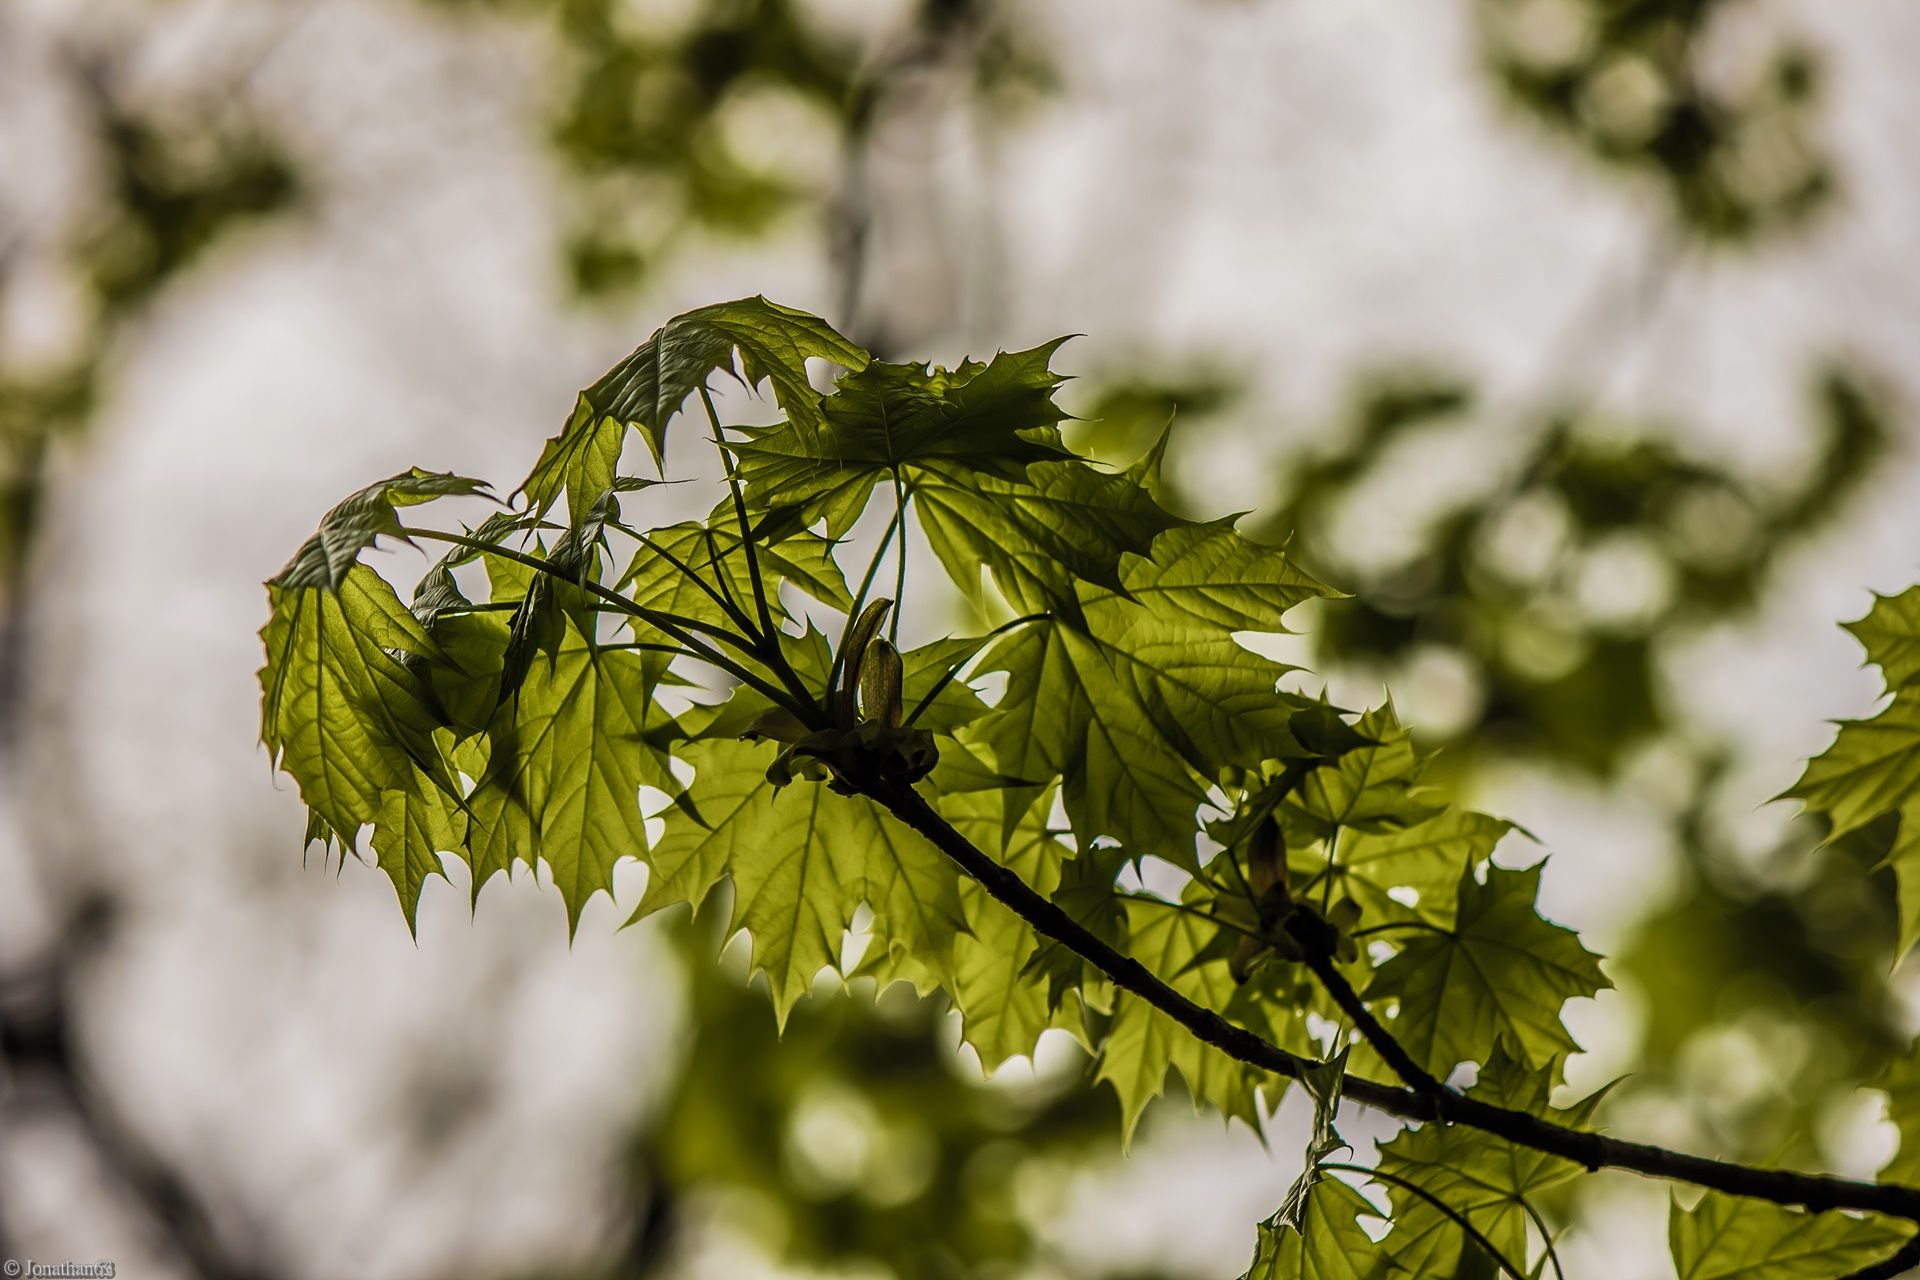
1374 787
1500 971
1326 1243
1485 1179
415 825
1142 1042
1154 696
567 755
356 522
801 861
1423 862
647 388
340 711
1873 766
888 420
1731 1238
696 570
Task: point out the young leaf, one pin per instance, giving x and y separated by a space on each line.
1731 1238
339 711
1428 859
713 553
1144 1042
1901 1083
1890 633
1325 1243
801 860
1001 997
646 389
1040 537
358 521
896 419
415 825
1501 972
1371 788
1873 766
1152 696
1484 1179
567 756
1322 1083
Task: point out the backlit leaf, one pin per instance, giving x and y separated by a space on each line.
1730 1238
1500 973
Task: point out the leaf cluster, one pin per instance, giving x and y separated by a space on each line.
574 684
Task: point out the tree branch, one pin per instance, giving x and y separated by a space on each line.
1390 1050
1593 1151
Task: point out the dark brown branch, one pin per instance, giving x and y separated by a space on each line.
1592 1151
1390 1050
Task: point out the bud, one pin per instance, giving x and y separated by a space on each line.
864 629
1267 860
880 675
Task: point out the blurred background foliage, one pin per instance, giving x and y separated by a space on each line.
1543 599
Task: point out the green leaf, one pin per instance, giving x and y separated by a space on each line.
340 712
715 555
886 419
1501 972
1322 1082
1001 996
1872 767
358 521
1153 696
1428 858
581 462
801 861
1371 788
934 697
1483 1178
1064 714
1143 1042
1326 1243
1901 1083
1209 575
646 389
1039 538
1733 1238
1890 634
416 824
567 756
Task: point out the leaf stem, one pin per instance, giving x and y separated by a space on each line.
739 513
685 570
1592 1151
1391 925
769 635
900 570
672 624
1546 1237
1333 864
